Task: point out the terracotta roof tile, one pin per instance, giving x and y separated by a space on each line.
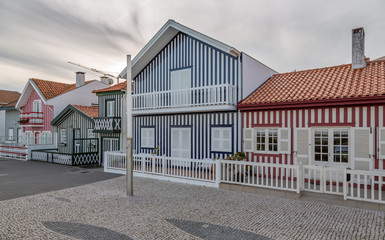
324 83
117 87
91 111
52 89
7 97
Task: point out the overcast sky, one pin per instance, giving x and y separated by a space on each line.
37 38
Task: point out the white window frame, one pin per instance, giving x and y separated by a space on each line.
266 151
178 78
90 133
110 107
37 106
222 148
330 161
147 137
63 137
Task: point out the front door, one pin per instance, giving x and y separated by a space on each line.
181 142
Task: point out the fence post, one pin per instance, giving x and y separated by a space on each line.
217 172
299 177
163 167
143 161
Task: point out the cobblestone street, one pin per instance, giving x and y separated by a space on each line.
165 210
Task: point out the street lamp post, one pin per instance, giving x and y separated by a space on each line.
129 163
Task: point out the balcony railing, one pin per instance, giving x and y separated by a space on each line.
31 119
108 124
224 94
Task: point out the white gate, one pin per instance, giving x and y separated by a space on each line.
111 144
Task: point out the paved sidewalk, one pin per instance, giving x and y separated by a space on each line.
165 210
24 178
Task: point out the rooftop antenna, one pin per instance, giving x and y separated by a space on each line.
96 70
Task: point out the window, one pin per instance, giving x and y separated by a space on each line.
181 143
260 140
110 108
37 106
180 79
63 135
221 139
19 134
90 133
331 145
10 134
266 140
147 139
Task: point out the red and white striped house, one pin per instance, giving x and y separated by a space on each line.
333 116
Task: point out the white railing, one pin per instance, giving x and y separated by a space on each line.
199 172
199 96
266 175
365 186
13 152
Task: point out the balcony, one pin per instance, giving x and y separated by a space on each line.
196 99
107 125
31 119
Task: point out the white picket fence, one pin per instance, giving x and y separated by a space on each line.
13 152
351 184
198 172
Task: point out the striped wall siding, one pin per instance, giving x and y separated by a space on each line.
118 104
209 65
200 124
47 112
350 116
71 121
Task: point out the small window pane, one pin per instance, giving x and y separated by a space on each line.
345 158
324 157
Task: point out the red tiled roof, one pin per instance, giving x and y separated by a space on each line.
92 111
7 97
117 87
52 89
324 83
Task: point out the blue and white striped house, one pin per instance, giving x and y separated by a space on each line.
186 89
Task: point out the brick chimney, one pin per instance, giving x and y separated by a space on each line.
80 79
358 48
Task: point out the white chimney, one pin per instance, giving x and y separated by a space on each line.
80 79
358 48
106 80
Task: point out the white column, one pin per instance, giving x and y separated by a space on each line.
129 168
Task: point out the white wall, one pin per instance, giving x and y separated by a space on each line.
80 96
254 74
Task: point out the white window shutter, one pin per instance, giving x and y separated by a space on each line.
302 145
226 139
174 142
248 139
185 150
151 137
362 144
381 143
284 137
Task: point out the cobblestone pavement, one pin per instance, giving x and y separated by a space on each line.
159 209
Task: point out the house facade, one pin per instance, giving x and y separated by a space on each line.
10 130
186 87
41 101
331 116
77 142
110 122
